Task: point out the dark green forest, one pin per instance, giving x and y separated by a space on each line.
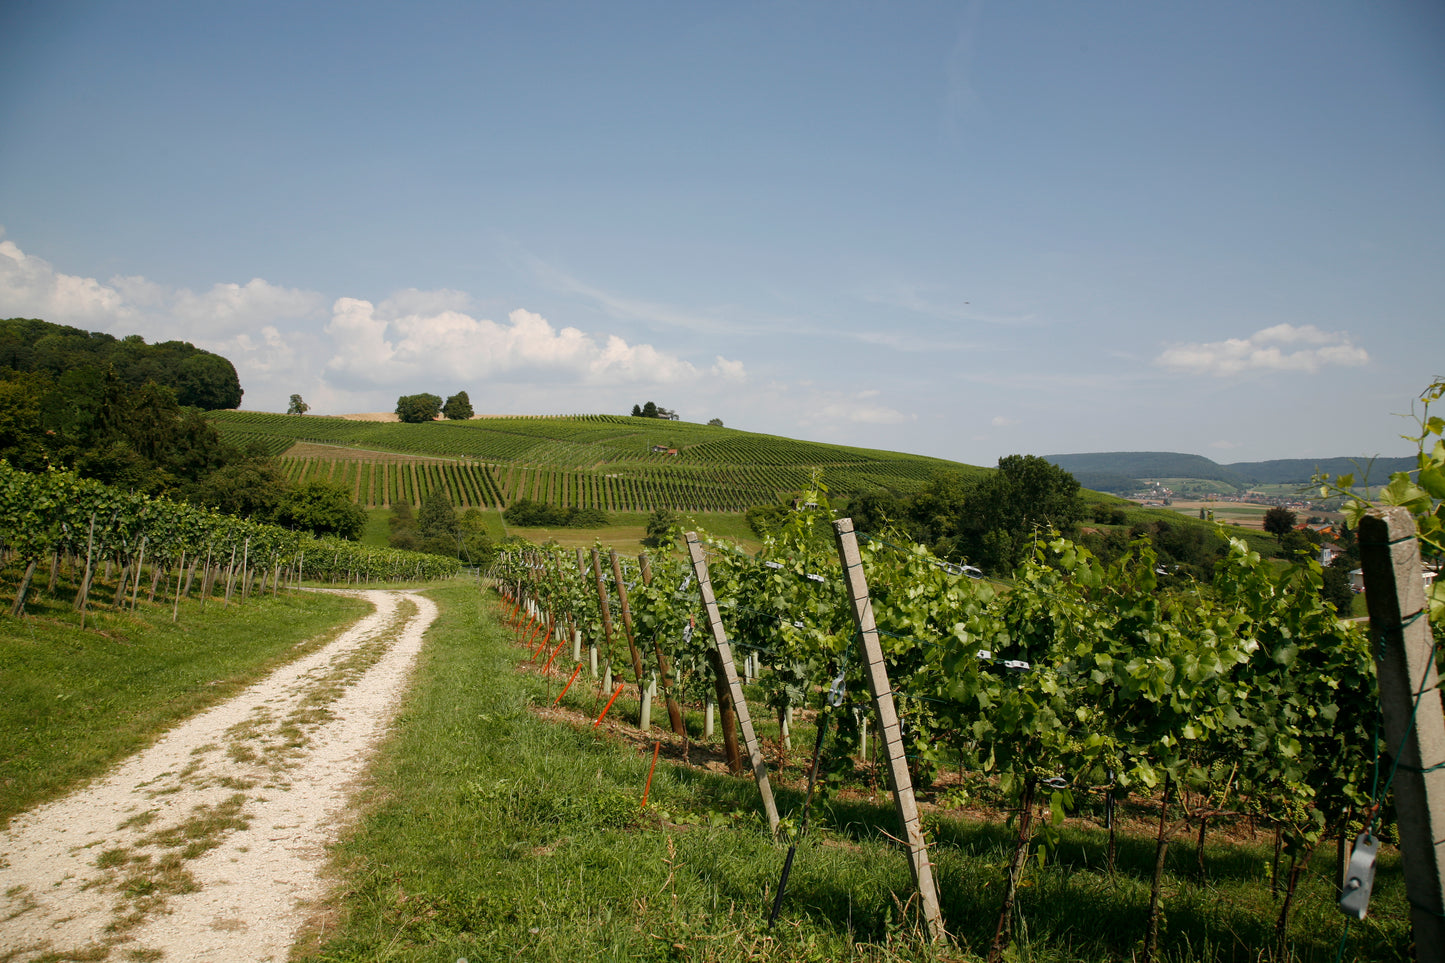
199 379
132 415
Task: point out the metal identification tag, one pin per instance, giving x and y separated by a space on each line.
1360 877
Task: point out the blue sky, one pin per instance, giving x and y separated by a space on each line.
964 229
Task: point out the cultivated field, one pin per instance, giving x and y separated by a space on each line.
587 461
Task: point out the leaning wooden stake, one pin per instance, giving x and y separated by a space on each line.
627 629
604 606
1410 702
890 733
180 570
84 593
730 673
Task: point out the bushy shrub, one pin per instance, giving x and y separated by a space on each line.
533 514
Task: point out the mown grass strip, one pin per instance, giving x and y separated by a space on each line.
75 702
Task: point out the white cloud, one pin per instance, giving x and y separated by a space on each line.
728 370
371 348
254 325
1000 421
30 287
228 308
1284 347
277 339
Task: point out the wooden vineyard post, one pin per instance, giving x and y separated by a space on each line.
606 610
730 672
890 734
631 637
84 593
591 641
1410 703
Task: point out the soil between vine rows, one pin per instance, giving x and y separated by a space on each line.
210 845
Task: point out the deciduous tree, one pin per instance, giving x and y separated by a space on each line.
458 407
1279 520
415 409
322 508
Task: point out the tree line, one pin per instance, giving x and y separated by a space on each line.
653 410
416 409
199 379
132 416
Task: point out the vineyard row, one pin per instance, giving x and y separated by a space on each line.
1246 697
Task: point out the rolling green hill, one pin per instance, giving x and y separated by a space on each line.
602 461
1108 471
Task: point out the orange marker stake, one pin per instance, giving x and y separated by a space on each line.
656 748
568 685
620 687
542 644
554 656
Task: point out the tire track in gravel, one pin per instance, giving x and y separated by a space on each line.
211 844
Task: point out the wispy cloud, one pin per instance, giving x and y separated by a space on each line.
635 309
1284 347
960 96
859 408
903 341
930 304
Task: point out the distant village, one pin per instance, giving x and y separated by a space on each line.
1158 495
1161 496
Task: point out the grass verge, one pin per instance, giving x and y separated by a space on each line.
75 702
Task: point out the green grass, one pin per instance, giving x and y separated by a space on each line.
493 834
75 702
377 530
627 529
495 831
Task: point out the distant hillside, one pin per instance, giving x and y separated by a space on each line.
616 463
1290 471
1106 468
1144 464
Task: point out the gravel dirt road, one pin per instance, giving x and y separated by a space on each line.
211 844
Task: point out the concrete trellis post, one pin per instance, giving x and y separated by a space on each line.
890 733
1410 702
